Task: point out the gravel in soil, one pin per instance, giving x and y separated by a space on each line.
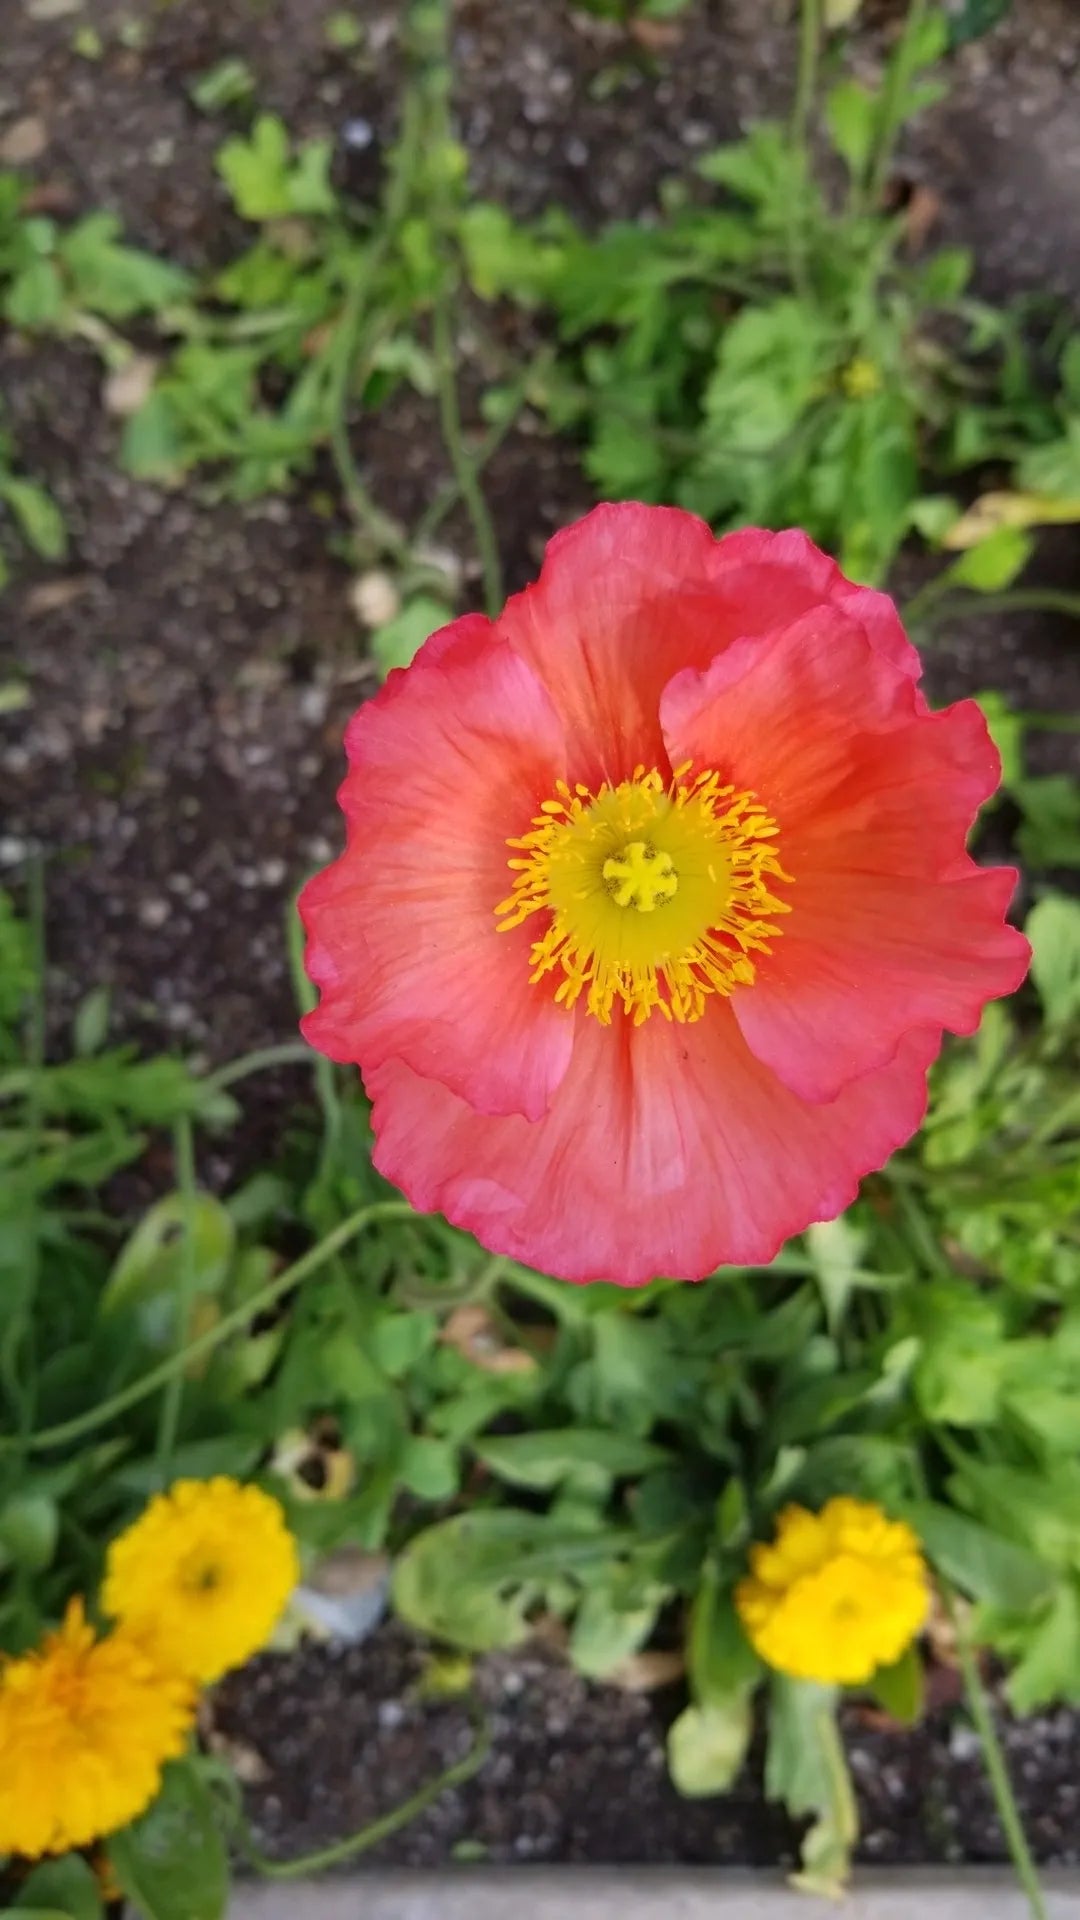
577 1772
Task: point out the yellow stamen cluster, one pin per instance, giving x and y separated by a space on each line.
656 893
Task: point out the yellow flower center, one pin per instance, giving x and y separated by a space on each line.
656 893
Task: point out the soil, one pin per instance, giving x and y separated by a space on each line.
191 670
577 1772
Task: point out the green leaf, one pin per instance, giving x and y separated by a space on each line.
449 1581
1053 927
91 1024
397 643
429 1467
945 277
147 1277
605 1632
720 1660
852 113
266 183
706 1746
995 562
114 280
472 1579
901 1688
29 1529
974 17
1007 733
226 84
982 1563
806 1769
1049 1647
172 1864
400 1341
39 518
151 446
836 1249
66 1887
36 297
1050 833
542 1460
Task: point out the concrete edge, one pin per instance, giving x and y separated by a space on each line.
644 1893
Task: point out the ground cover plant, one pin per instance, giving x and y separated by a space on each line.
889 1404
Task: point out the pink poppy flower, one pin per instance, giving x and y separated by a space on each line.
655 902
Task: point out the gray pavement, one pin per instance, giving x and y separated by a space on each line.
642 1894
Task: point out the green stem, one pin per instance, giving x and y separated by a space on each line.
287 1053
19 1331
431 24
230 1323
893 99
389 1823
172 1398
997 1771
931 604
350 352
461 460
806 74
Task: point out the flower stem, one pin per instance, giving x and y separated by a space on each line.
389 1823
430 22
171 1399
212 1337
893 100
806 74
461 460
288 1053
996 1769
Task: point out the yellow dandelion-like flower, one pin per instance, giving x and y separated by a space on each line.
837 1594
203 1574
86 1725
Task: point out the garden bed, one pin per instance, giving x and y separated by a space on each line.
188 674
578 1774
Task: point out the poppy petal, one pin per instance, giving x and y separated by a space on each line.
454 755
891 925
667 1150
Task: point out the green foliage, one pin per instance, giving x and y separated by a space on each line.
764 357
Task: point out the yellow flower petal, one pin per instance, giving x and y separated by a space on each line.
203 1575
836 1595
86 1725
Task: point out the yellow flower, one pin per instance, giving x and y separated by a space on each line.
860 378
838 1594
203 1574
86 1725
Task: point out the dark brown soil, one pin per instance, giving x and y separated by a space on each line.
577 1772
191 670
